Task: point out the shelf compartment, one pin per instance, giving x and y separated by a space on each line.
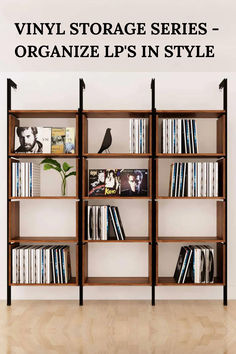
117 281
14 121
213 145
170 281
219 267
191 240
14 227
85 189
122 147
72 282
74 191
162 185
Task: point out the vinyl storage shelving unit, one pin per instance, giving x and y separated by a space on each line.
81 198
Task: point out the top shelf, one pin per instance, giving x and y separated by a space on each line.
44 113
190 113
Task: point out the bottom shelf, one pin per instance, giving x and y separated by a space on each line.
120 281
170 281
72 282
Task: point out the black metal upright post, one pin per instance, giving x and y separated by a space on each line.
153 190
10 84
80 182
224 85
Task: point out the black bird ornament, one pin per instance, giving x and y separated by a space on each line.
107 140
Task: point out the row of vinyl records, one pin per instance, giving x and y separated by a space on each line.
104 223
179 136
138 136
195 265
25 179
41 265
194 179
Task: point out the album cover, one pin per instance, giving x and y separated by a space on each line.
32 140
96 183
58 140
70 141
112 182
134 182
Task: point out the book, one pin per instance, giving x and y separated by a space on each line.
215 178
32 140
96 182
134 182
58 140
112 182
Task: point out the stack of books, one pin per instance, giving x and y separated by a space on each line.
104 223
25 179
41 265
195 265
42 140
179 136
138 136
194 179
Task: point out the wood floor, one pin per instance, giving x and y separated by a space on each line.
118 327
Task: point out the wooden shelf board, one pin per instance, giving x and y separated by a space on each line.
72 282
45 197
117 113
190 113
44 113
170 281
199 155
116 197
188 239
127 239
116 155
30 156
117 281
165 197
46 239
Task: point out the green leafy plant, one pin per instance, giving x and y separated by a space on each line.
51 164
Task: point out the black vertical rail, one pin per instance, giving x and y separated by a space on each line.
153 191
10 84
224 85
80 182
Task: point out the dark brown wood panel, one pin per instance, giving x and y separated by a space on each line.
14 220
221 136
220 220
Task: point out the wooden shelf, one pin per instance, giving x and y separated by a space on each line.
214 198
192 239
117 113
116 155
199 155
127 239
117 281
30 156
44 113
170 281
72 282
42 239
45 197
117 197
190 113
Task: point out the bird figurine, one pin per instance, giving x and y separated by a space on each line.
107 140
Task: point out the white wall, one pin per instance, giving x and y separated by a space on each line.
124 91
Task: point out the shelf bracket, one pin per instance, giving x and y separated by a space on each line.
10 85
224 86
153 107
80 184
